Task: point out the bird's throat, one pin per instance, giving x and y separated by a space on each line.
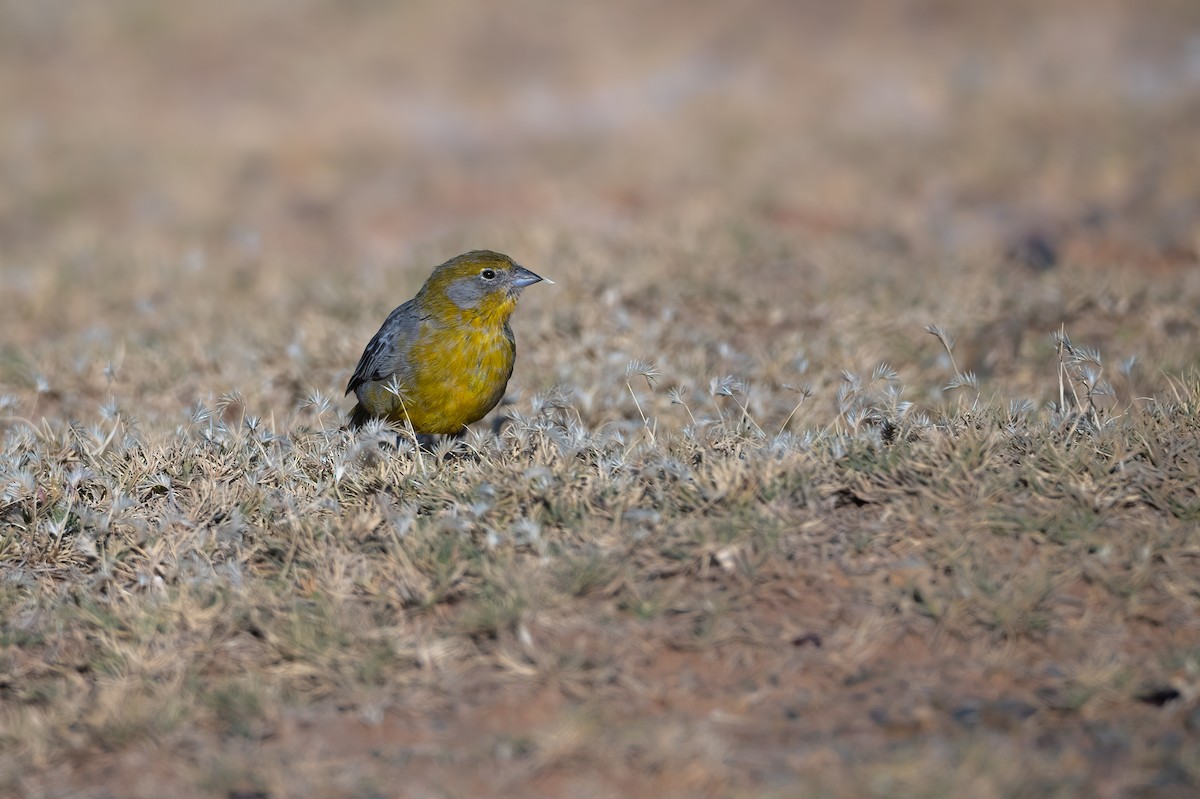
494 311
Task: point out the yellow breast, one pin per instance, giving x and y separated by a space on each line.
458 374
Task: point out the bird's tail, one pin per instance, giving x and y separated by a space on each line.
358 416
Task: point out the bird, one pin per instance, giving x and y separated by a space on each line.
442 360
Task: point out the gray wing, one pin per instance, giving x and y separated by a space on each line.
387 353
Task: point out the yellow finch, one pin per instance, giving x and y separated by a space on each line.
442 359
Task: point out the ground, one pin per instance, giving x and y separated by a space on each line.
854 451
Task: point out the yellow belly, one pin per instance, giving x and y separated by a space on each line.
457 377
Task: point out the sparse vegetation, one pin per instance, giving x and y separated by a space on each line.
823 472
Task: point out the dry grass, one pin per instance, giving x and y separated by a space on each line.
749 528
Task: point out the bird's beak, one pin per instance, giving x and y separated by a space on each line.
523 277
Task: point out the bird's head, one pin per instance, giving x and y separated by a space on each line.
480 283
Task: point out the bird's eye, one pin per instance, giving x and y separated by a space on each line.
488 274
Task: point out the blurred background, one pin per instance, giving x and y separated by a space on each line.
279 155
